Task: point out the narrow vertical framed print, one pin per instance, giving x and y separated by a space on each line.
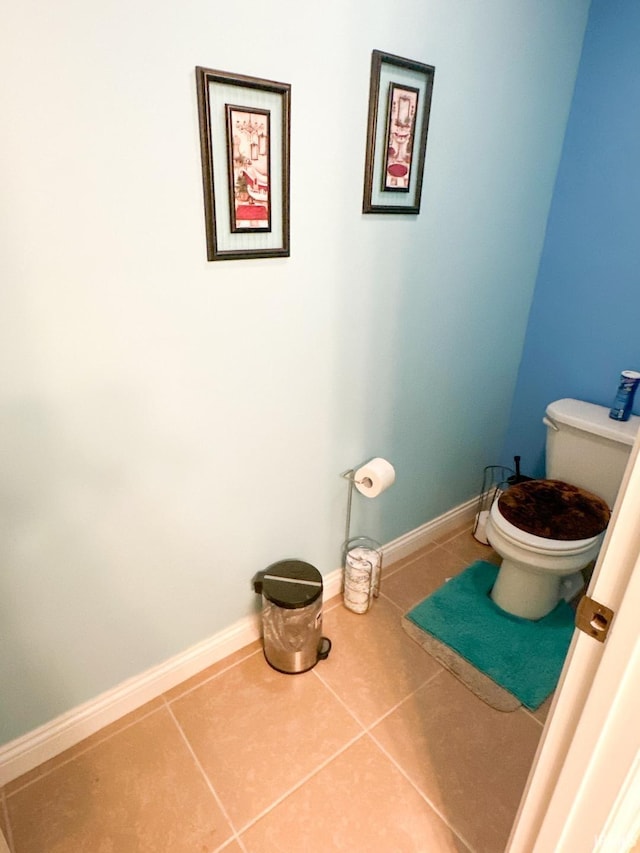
399 107
248 161
244 146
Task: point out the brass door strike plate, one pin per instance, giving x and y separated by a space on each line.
594 618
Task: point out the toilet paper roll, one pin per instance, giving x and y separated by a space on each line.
374 477
480 532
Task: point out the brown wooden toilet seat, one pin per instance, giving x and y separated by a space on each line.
552 509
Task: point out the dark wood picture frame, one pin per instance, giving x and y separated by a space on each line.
396 144
234 233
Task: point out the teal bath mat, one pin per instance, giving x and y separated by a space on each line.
523 657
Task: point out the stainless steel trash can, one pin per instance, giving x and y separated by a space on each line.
291 593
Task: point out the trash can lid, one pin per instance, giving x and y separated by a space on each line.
290 584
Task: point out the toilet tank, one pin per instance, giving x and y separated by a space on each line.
586 447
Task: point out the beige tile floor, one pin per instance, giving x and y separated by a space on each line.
378 748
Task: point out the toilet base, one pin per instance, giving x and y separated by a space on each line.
530 594
571 585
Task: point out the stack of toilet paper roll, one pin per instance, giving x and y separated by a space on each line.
361 578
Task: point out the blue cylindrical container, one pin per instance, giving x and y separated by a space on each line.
623 403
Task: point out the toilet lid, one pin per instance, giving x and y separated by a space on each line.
552 509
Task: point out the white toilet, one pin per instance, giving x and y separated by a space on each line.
586 456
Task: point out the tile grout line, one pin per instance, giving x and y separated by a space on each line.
463 530
388 571
452 552
81 752
58 763
329 605
421 793
303 781
364 731
339 700
166 703
208 782
444 668
407 561
521 708
367 728
227 844
390 600
368 731
207 680
406 698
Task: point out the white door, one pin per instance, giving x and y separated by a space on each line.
583 792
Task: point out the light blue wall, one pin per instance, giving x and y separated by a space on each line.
583 328
170 426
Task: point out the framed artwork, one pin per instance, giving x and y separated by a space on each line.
244 145
399 107
249 164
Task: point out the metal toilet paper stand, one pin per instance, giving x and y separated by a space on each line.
361 560
495 480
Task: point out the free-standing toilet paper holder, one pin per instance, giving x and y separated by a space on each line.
350 475
362 572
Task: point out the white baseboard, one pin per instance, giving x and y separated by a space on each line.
26 752
45 742
412 541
